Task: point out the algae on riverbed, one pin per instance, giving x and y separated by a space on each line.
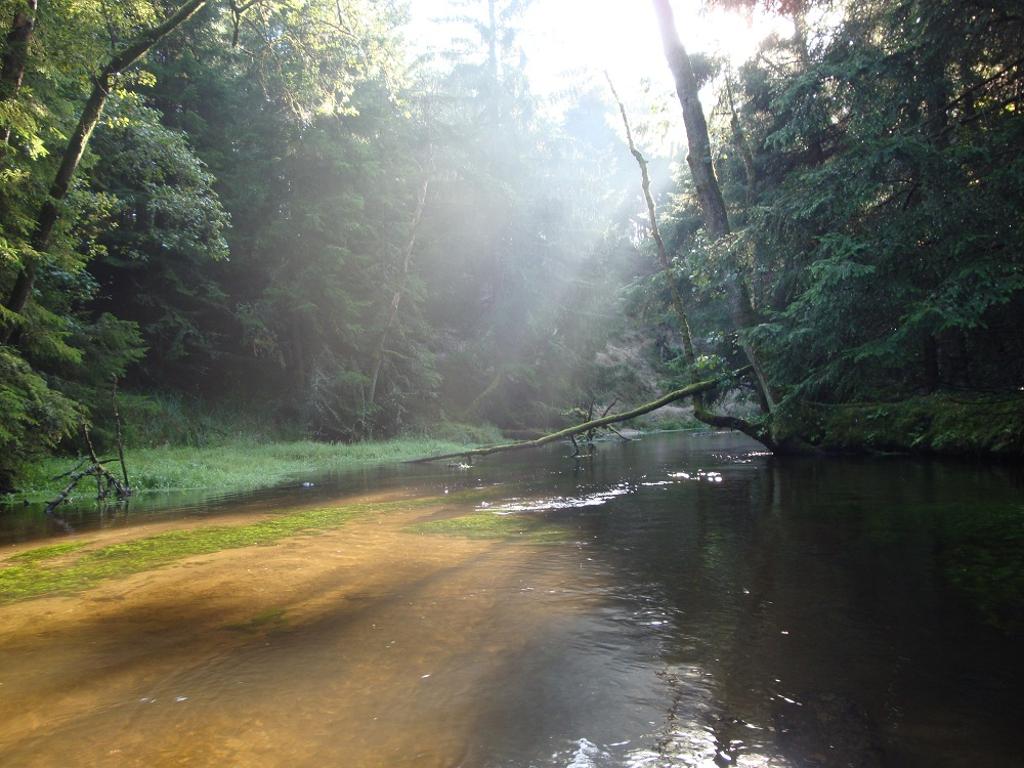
39 554
33 573
487 525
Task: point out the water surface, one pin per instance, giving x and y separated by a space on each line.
702 605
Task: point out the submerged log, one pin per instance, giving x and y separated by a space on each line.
671 397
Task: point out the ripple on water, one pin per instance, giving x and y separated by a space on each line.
587 755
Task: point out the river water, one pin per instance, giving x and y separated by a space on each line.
701 604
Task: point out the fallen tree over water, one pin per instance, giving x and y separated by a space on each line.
678 394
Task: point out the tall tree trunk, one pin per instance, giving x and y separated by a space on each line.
396 299
15 57
709 192
49 213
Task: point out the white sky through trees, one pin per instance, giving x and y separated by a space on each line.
567 44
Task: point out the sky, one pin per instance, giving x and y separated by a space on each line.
569 42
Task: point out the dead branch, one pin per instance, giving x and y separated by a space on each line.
666 262
75 477
120 434
622 436
105 479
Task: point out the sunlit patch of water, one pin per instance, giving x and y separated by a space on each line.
698 474
746 457
517 504
586 755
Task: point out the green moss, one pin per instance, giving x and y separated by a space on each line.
940 423
487 525
32 573
48 553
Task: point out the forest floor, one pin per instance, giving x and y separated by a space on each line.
234 466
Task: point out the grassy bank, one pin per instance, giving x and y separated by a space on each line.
238 465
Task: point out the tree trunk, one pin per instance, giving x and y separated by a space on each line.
14 60
49 214
709 192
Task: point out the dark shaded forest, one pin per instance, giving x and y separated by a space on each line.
276 214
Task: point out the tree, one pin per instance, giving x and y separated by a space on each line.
105 81
880 242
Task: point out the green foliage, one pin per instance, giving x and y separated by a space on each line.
33 417
246 224
139 258
156 420
166 231
903 198
873 175
459 433
940 423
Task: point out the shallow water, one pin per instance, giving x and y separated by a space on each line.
705 605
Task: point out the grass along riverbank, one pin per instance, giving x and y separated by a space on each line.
237 466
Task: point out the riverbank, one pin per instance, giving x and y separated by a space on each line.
942 424
237 466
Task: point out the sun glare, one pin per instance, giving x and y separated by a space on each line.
567 45
564 36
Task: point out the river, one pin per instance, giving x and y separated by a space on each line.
680 600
